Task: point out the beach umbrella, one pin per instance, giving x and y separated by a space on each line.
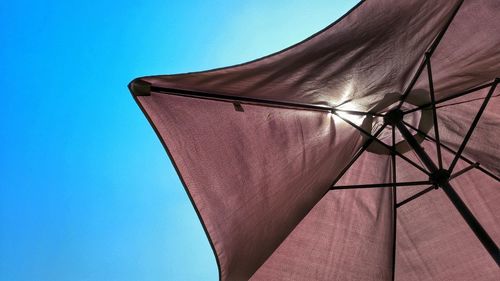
369 151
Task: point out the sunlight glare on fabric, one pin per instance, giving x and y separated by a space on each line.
355 118
345 95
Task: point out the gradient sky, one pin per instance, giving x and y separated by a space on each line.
87 191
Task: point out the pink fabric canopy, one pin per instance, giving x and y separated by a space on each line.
326 161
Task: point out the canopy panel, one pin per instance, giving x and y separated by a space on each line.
252 175
347 236
372 52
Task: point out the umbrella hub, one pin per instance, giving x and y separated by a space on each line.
393 117
440 177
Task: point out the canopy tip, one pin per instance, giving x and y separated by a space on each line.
139 87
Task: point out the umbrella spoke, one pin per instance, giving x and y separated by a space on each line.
377 185
253 101
355 112
473 126
416 195
242 99
464 170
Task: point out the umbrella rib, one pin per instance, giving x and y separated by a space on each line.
377 185
473 126
428 53
434 112
357 155
479 167
383 144
475 89
464 170
416 195
253 101
465 101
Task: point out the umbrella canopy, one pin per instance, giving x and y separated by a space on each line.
369 151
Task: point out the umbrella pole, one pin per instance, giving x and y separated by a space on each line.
394 203
440 177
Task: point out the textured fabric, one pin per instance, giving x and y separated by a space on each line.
253 175
259 175
347 236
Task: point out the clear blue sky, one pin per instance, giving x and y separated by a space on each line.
87 191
